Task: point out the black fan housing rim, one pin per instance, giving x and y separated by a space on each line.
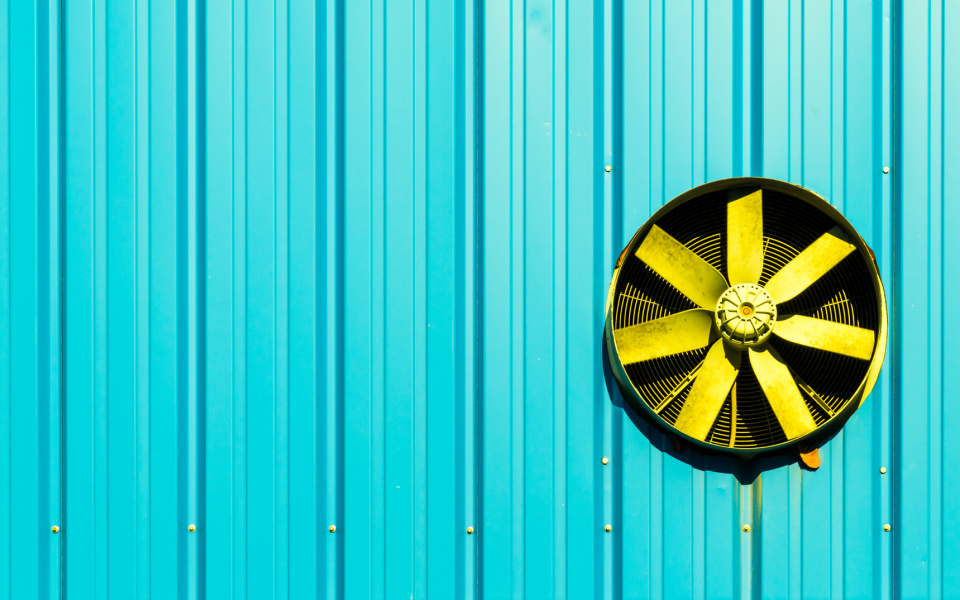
825 431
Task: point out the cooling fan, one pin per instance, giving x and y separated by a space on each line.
747 316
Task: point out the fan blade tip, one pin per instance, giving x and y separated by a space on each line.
839 233
650 239
750 192
752 197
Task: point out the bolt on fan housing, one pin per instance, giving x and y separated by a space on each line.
747 316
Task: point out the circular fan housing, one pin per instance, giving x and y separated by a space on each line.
747 316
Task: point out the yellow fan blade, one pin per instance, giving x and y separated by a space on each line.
745 236
810 265
682 268
682 332
782 392
826 335
709 391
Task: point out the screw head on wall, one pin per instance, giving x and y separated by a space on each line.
605 460
55 529
607 168
886 527
746 529
191 528
608 529
469 530
333 528
883 470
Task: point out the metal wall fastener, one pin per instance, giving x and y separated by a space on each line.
883 470
886 527
607 168
605 460
333 528
469 530
886 169
191 528
746 529
608 529
55 529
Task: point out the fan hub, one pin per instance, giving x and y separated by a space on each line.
746 314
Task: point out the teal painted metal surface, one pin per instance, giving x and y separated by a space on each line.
268 268
30 320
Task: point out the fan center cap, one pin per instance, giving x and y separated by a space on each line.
746 314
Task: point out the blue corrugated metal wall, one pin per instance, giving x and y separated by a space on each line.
268 268
30 320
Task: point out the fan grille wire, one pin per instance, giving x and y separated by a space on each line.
845 295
